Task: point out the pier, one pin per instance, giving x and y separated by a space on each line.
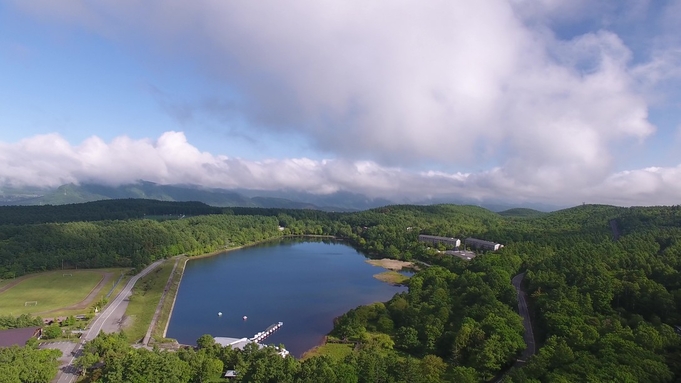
240 343
259 337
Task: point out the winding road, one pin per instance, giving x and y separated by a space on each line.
113 313
527 322
528 336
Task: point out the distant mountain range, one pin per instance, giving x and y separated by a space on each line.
339 201
72 193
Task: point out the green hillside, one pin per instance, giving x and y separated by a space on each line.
521 213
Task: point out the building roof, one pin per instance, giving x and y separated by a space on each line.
17 336
235 343
230 374
476 240
437 237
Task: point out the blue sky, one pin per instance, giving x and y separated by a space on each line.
550 101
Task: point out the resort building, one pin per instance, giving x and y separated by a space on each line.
432 239
481 244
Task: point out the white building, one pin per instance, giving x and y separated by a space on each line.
481 244
447 241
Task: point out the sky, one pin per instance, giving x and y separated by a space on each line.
556 102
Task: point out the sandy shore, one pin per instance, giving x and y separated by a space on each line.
390 264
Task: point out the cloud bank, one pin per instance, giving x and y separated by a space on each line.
386 88
49 160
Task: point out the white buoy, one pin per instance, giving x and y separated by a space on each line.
245 317
219 313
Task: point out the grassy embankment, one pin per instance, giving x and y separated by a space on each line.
158 333
57 293
144 299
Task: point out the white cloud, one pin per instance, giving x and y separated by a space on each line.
387 86
395 82
48 160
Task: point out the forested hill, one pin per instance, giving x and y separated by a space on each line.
122 209
521 213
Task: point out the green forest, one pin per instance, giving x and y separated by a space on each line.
603 285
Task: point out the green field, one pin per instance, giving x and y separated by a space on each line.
101 294
335 351
51 290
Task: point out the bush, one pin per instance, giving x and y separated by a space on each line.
51 332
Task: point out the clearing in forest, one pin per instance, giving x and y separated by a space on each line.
390 264
50 291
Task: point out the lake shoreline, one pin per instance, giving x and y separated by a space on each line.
321 256
173 291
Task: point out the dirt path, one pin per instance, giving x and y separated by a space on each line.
88 299
15 282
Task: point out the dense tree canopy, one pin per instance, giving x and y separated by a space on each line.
28 365
603 285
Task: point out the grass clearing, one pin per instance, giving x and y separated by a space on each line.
52 290
392 277
159 330
101 293
144 299
335 351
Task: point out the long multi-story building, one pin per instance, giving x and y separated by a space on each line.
481 244
447 241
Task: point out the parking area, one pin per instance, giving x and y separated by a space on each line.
65 347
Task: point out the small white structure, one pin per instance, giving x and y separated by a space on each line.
230 374
219 313
245 317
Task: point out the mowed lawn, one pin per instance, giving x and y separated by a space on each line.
52 290
335 351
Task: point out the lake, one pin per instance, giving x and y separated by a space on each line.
304 283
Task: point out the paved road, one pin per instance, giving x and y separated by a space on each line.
527 322
67 348
530 348
113 313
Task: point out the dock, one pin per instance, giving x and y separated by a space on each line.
259 337
240 343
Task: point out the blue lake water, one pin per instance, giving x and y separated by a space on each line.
303 283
